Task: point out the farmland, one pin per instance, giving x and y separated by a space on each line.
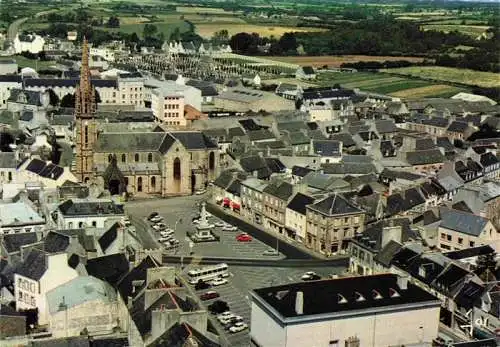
447 74
471 30
266 30
336 61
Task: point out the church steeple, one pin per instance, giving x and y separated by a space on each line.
85 123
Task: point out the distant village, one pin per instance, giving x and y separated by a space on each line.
405 191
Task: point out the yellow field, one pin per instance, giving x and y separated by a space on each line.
449 74
133 20
207 30
428 91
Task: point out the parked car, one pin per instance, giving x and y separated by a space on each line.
126 222
270 251
233 321
310 276
174 242
240 326
219 224
218 282
166 233
225 315
202 285
156 219
165 239
201 192
218 307
229 228
224 321
159 226
152 215
243 238
209 295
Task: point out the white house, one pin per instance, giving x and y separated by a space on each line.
7 83
31 43
376 311
79 213
39 273
295 216
19 217
45 173
8 67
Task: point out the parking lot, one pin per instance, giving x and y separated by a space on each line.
178 213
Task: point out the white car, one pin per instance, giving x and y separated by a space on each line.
201 192
159 226
225 315
237 327
229 228
227 320
156 219
166 233
220 224
165 239
218 282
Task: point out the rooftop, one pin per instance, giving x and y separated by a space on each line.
342 296
18 213
90 208
334 205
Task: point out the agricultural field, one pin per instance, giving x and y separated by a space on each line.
436 90
34 64
166 28
448 74
336 61
471 30
207 30
209 10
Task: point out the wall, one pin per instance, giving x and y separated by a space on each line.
265 331
449 239
296 222
26 292
69 222
5 88
12 326
383 330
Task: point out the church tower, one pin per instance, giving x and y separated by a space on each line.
85 122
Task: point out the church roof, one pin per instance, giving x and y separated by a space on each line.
134 142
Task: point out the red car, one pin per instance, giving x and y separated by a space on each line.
209 295
244 238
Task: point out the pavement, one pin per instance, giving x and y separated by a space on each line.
178 213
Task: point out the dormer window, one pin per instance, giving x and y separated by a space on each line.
393 293
359 297
376 295
342 299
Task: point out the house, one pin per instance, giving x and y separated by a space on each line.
39 273
330 222
458 230
426 161
343 312
19 217
295 216
7 83
483 200
251 79
328 151
27 100
252 199
208 90
288 91
44 173
84 301
459 130
491 165
305 73
8 67
79 213
30 42
275 197
8 166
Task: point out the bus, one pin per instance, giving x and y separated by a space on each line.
208 273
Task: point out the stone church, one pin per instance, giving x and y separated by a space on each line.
156 162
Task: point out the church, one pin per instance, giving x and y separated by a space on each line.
138 162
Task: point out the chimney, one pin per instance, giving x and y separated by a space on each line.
402 282
299 303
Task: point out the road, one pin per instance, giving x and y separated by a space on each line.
15 25
248 268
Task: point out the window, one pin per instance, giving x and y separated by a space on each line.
448 237
9 174
471 243
150 157
136 157
124 158
333 343
94 223
110 157
86 134
80 224
443 246
153 183
443 236
70 225
460 240
139 184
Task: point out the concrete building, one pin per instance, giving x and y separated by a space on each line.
7 83
28 43
131 89
8 67
39 273
295 216
331 221
376 311
252 198
244 100
44 173
168 107
83 302
80 213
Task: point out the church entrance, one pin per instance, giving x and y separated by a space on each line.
177 174
114 187
193 182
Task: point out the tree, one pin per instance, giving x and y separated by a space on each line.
149 30
68 101
54 99
113 22
244 43
288 42
221 36
175 35
97 97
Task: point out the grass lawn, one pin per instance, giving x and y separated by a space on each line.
163 27
436 90
25 62
449 74
337 60
471 30
207 30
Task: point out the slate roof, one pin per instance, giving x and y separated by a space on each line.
34 266
206 88
463 222
280 190
75 341
275 165
11 78
134 142
345 138
326 92
348 168
445 143
193 140
44 169
423 144
323 297
259 135
32 97
491 342
470 252
109 268
458 127
436 122
13 242
108 237
299 203
298 138
334 205
386 254
61 82
488 159
90 208
385 126
424 157
308 70
300 171
138 273
327 148
55 242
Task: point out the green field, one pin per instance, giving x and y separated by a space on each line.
25 62
471 30
448 74
163 27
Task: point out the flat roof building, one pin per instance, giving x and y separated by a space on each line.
381 310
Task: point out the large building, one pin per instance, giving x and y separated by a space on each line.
376 311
